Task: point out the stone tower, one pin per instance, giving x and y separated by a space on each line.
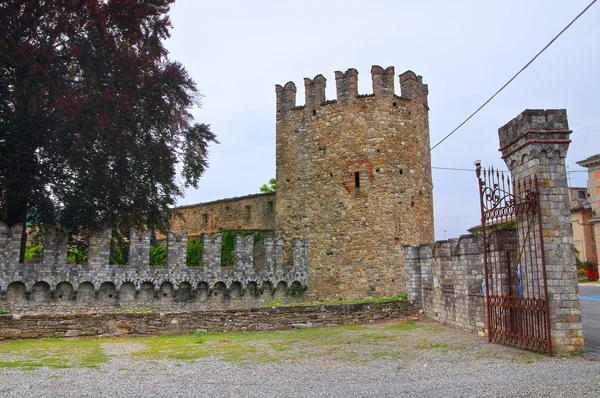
354 177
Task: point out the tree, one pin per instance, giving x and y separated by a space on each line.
94 116
272 187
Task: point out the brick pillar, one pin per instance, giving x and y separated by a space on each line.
243 252
139 248
99 249
211 252
56 245
300 255
412 267
536 143
176 249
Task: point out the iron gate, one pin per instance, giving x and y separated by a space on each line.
514 265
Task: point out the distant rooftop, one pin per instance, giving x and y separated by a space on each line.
590 161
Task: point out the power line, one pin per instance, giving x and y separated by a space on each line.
452 168
504 171
515 76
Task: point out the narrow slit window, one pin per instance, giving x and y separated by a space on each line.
357 179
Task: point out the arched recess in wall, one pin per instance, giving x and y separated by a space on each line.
146 292
127 292
165 292
85 292
16 292
107 292
64 291
184 292
267 289
251 290
236 290
219 290
281 289
203 290
40 291
297 289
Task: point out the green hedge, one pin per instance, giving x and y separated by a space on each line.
193 255
228 243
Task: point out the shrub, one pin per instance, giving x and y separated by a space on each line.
193 255
77 256
33 253
119 250
158 255
591 270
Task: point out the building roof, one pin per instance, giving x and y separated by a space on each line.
254 195
591 161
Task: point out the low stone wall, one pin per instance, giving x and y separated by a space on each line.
152 324
445 278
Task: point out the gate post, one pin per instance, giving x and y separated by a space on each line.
535 143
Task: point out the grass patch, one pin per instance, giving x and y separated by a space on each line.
278 303
402 326
52 353
425 345
400 342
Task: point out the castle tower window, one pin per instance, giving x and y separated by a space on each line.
247 207
205 219
270 206
357 179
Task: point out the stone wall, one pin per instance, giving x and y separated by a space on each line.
445 278
535 143
253 212
354 177
258 275
152 324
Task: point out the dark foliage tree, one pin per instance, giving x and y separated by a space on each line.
94 117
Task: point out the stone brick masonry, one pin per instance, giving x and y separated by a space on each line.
445 277
259 275
354 178
151 324
536 143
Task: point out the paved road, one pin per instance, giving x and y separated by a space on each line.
590 314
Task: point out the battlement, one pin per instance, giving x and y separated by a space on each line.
411 86
257 269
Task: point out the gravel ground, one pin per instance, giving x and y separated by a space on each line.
430 361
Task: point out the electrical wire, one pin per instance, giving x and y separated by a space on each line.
515 76
473 170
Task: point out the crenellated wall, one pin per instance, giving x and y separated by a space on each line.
446 279
258 275
354 177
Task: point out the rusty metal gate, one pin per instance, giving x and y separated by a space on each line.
514 265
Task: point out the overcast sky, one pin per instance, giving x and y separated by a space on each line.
465 50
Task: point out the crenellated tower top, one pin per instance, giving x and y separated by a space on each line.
411 86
